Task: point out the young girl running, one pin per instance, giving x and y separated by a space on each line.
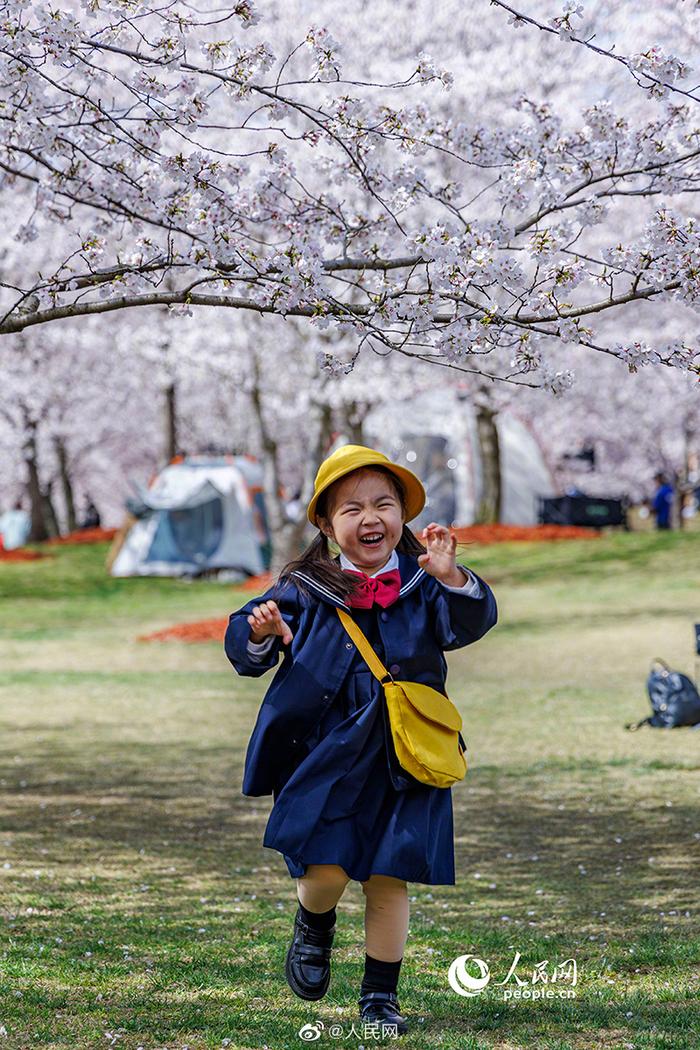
343 807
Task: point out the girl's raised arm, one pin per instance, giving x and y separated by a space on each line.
242 623
458 618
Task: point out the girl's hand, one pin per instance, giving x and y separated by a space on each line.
440 561
267 619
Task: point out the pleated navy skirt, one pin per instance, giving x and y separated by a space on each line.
347 803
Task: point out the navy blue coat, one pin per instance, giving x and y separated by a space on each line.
426 619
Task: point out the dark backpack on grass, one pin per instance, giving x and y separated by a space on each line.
674 699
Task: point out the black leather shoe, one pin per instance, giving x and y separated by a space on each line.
308 965
383 1007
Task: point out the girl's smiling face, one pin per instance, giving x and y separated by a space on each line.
365 517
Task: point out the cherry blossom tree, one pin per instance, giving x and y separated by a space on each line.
523 215
77 423
294 414
556 87
188 165
634 429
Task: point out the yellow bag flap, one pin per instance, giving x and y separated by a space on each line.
428 702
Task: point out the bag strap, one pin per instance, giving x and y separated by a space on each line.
634 726
368 654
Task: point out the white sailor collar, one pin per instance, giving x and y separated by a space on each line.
393 563
410 572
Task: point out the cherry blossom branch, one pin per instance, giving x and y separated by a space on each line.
190 298
562 27
120 143
605 177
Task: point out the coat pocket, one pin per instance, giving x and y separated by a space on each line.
312 736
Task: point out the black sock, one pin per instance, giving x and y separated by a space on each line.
317 920
380 976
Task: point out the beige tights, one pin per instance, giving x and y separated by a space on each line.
386 906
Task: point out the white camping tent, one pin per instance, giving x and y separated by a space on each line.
201 514
441 445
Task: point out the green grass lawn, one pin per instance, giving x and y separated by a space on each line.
139 908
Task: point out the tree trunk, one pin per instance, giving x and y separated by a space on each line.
277 522
354 423
38 531
287 536
50 513
685 490
66 484
171 449
489 509
289 542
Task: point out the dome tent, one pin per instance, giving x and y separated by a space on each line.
441 445
201 514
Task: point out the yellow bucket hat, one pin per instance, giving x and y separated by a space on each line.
351 457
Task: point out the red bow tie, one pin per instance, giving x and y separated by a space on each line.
382 589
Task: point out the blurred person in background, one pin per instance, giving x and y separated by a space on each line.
14 527
91 519
662 503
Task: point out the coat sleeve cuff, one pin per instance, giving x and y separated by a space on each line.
471 587
258 650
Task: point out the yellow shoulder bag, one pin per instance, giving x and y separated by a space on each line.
425 725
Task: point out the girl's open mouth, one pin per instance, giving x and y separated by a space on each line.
372 539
